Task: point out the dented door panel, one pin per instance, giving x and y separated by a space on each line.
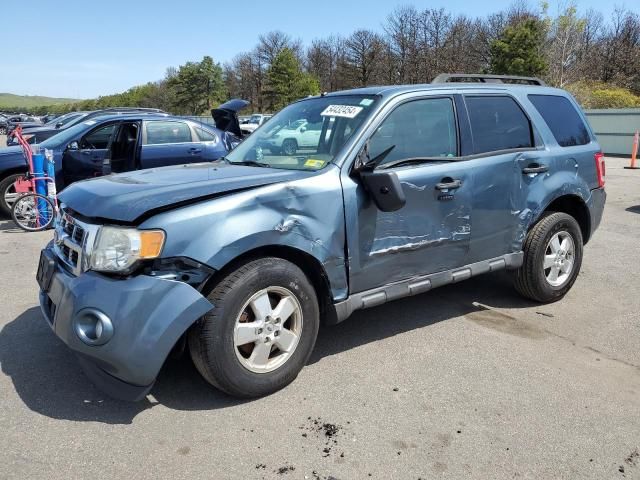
429 234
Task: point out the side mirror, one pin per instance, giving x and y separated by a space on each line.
385 189
59 124
73 146
303 129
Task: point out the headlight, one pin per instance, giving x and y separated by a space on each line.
119 249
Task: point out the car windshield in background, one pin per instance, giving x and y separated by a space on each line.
65 136
305 135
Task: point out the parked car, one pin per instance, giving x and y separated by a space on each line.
119 143
253 123
414 187
25 121
3 124
290 138
37 134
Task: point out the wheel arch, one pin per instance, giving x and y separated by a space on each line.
575 206
309 264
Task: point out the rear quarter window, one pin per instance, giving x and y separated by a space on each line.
563 119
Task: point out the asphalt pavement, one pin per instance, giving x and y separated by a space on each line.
468 381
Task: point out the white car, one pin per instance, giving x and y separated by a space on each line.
300 134
254 122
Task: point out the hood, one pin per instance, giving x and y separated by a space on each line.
128 196
12 158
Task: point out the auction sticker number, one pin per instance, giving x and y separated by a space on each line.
346 111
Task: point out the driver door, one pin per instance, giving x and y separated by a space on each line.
431 232
86 161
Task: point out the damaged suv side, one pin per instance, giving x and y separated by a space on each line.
406 189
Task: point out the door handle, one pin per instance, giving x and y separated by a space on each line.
533 168
194 151
448 184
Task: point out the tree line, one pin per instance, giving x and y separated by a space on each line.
596 58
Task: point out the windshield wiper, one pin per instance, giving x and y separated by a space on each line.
403 161
250 163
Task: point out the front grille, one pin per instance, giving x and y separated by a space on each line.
73 240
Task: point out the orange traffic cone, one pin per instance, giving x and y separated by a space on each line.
634 152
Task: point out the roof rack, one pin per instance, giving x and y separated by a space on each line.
481 78
131 109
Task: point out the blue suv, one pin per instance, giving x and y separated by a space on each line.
407 188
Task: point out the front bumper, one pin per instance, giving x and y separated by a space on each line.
148 314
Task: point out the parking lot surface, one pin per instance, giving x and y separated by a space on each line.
468 381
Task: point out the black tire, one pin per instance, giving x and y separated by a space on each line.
33 212
5 185
211 339
289 147
530 279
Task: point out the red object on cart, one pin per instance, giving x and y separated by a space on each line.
28 155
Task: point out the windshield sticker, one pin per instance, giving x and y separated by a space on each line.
366 102
313 163
346 111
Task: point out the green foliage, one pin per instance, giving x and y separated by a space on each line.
518 50
20 103
601 95
287 82
197 85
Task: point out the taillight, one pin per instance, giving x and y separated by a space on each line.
600 168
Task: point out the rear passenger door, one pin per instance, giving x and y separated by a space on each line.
168 142
503 147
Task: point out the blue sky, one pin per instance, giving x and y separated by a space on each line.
83 49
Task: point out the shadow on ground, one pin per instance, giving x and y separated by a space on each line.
50 382
633 209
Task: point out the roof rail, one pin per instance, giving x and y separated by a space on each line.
131 109
481 78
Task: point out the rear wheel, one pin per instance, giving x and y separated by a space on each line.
552 258
262 330
3 130
289 146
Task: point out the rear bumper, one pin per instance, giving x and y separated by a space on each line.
148 315
596 207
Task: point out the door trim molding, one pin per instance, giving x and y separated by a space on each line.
424 283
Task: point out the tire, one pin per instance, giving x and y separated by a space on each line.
3 130
532 279
33 212
217 348
289 147
6 187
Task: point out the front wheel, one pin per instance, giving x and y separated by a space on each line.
33 212
262 330
552 258
8 193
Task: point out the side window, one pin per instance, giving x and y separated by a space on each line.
167 132
419 128
97 139
497 123
562 118
205 136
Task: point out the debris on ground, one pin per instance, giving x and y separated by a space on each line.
327 431
545 314
261 466
285 469
633 458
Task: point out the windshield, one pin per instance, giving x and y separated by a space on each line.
64 119
306 135
66 136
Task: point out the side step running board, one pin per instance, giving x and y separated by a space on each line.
416 285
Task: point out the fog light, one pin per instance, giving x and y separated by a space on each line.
93 327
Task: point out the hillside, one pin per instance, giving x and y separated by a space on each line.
8 100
